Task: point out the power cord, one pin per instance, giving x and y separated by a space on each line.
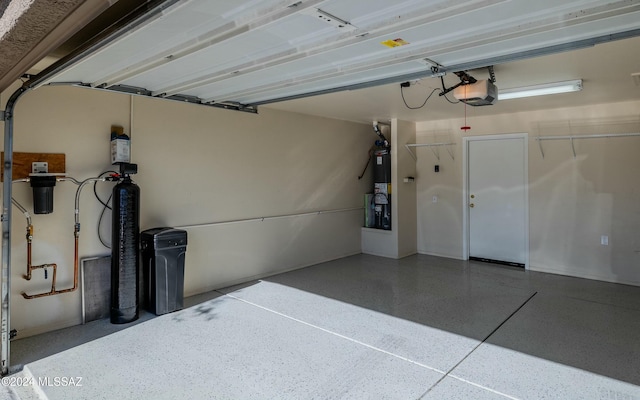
105 207
406 84
442 92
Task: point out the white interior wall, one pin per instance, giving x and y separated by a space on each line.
197 165
572 202
404 206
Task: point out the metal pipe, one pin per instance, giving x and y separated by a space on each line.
18 205
29 246
53 290
376 129
29 237
81 186
76 234
262 219
5 318
68 178
24 210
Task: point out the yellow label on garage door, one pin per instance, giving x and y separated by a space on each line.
395 42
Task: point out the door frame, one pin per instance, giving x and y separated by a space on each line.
465 189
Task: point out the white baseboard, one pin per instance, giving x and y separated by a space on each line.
427 253
375 253
407 254
26 332
266 274
580 274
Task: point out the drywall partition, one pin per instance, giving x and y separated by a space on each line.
197 165
573 202
404 207
400 241
439 194
236 166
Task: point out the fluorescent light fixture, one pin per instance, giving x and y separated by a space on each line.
540 90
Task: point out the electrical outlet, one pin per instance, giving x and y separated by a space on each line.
434 199
39 167
604 240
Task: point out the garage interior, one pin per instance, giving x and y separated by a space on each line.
250 123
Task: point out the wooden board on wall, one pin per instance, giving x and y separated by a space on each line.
22 163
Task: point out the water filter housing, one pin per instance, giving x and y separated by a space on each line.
42 185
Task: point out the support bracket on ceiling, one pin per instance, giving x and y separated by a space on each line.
235 106
330 19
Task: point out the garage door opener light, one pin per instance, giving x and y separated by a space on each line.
541 90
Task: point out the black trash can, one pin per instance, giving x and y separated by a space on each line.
163 252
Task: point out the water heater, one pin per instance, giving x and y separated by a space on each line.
382 188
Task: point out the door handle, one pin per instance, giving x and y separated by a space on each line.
471 205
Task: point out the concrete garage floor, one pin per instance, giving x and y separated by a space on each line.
363 327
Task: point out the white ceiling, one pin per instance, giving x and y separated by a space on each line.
250 52
606 71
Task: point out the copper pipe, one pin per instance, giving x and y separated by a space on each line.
29 240
28 275
76 234
55 267
43 266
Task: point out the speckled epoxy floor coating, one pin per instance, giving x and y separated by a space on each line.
368 327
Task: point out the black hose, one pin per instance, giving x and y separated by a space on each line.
367 165
105 207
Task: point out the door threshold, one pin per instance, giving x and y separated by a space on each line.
489 260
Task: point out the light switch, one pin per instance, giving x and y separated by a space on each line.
604 240
434 199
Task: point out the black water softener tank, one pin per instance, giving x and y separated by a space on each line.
124 252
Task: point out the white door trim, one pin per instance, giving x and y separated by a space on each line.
465 189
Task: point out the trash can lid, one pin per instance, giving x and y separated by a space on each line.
165 237
155 231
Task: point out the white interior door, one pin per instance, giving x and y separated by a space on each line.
497 199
